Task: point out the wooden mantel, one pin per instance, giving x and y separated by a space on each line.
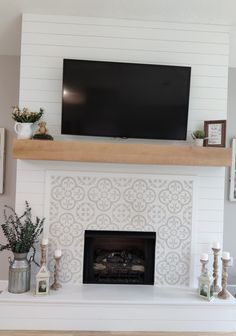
139 153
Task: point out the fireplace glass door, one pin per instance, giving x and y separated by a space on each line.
119 257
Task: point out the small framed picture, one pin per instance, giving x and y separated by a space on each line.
232 189
215 131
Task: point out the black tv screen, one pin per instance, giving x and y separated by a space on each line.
125 100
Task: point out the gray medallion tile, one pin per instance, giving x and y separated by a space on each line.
139 195
112 201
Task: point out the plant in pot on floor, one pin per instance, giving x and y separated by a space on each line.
24 121
199 137
22 233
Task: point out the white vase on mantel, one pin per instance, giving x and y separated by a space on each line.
24 130
199 142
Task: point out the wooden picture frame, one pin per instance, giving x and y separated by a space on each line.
215 132
232 188
2 158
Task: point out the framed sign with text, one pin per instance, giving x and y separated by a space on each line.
215 131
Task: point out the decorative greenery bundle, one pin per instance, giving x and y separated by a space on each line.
26 116
199 134
21 232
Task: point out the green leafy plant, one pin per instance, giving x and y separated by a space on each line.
25 115
199 134
21 231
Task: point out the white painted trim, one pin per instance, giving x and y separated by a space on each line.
2 158
233 172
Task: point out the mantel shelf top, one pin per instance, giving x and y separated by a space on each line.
118 152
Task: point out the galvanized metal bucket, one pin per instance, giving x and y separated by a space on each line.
19 274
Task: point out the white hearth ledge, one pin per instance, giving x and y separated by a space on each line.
116 308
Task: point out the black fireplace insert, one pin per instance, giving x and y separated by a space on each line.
119 257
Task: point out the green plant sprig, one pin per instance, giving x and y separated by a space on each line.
199 134
25 115
21 232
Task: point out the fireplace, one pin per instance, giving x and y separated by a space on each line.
119 257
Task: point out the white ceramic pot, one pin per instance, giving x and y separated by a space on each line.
199 142
24 130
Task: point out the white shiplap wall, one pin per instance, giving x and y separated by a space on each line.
46 40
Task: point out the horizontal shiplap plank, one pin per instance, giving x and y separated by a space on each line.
153 42
34 62
37 209
210 204
211 182
35 187
211 215
209 93
205 226
83 20
209 237
196 114
41 84
125 54
209 81
33 198
37 175
216 192
208 104
198 172
41 73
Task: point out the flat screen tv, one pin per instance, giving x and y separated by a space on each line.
125 100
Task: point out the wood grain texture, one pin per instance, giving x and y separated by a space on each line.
139 153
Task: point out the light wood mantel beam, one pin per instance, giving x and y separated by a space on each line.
109 152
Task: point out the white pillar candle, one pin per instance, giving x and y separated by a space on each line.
226 255
44 241
57 253
204 256
216 245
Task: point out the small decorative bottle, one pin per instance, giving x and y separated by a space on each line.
206 281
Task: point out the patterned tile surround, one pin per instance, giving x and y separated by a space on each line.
76 201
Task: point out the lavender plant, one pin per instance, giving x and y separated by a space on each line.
21 232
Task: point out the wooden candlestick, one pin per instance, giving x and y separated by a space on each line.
56 285
216 252
43 254
224 294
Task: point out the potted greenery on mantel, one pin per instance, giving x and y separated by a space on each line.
22 234
199 136
25 120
